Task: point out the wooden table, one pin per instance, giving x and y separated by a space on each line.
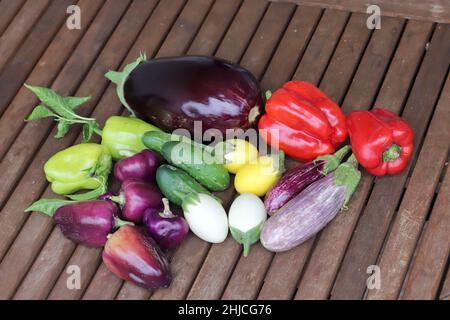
399 223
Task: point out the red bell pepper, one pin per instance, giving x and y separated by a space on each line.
381 141
309 123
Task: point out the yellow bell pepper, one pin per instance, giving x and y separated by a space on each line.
259 177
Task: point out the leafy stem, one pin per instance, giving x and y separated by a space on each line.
62 109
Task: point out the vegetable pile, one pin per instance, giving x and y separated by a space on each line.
168 180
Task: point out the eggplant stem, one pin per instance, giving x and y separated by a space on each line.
352 161
341 153
246 248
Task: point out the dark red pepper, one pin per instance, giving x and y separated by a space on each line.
381 141
310 124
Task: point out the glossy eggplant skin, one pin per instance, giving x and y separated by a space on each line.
174 92
292 184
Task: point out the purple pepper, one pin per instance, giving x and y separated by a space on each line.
135 197
167 229
141 166
133 255
88 222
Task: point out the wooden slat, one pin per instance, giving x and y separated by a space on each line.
104 284
176 43
416 202
445 292
25 100
206 42
190 16
8 10
428 267
378 53
57 250
311 68
30 50
255 59
19 28
221 258
367 241
430 10
37 228
326 258
255 266
322 46
29 140
130 27
46 69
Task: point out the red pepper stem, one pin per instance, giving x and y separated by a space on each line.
392 153
268 94
166 213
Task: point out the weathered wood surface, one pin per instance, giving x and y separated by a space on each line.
402 67
429 10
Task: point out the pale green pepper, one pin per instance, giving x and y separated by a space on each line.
123 136
83 166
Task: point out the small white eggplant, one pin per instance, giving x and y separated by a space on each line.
246 218
206 217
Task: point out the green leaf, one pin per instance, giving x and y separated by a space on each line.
88 130
47 206
75 102
63 128
119 78
53 100
40 112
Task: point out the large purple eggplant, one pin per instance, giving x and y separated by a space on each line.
300 177
133 255
88 222
174 92
311 210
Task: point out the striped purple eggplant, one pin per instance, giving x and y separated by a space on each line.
300 177
312 209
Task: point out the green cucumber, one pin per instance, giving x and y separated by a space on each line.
176 184
197 162
154 140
